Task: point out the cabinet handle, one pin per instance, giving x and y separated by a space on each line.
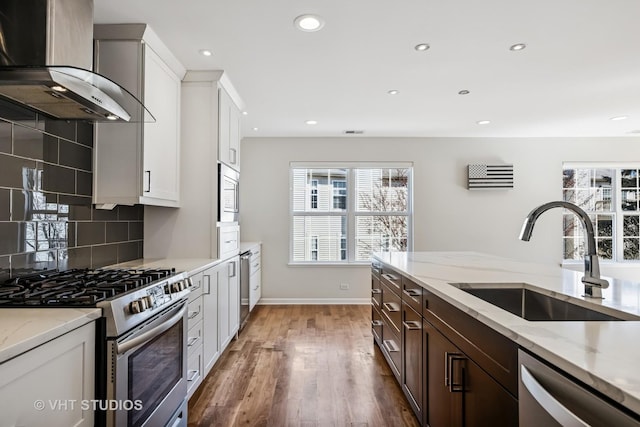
231 269
412 292
192 375
193 314
449 372
192 286
233 155
549 403
192 341
390 277
256 265
412 325
391 307
376 323
376 291
148 190
208 276
390 346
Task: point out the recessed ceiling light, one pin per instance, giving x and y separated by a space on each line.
421 47
244 113
518 46
311 122
110 116
463 92
619 118
206 52
483 122
255 129
393 92
309 23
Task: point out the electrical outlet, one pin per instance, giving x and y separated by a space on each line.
344 286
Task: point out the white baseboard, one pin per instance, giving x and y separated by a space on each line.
318 301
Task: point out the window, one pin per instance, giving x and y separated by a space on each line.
353 212
609 194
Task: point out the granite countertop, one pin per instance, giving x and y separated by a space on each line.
22 329
602 354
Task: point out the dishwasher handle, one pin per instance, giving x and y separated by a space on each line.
557 410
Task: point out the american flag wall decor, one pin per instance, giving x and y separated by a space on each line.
483 177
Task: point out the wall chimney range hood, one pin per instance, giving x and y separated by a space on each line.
46 56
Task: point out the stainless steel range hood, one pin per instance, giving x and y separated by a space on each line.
46 56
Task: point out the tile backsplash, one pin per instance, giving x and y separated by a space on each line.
47 220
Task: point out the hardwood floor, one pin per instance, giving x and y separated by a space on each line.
303 365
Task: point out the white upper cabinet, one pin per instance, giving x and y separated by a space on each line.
229 131
139 163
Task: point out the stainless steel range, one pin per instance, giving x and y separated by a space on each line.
141 364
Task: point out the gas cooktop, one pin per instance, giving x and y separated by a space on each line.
77 287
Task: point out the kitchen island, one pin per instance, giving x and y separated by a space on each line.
601 354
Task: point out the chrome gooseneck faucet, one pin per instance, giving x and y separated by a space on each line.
593 284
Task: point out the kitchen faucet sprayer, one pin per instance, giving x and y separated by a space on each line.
593 284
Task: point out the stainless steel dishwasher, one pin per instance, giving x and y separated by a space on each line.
549 398
245 274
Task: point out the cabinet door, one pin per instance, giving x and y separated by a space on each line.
458 391
229 131
412 358
210 344
443 399
255 290
233 267
224 327
161 139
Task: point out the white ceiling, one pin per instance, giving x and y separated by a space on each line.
580 68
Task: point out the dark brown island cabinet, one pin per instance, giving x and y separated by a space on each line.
453 369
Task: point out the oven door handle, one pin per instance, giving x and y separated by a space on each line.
151 334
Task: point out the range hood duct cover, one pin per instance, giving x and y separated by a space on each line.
47 45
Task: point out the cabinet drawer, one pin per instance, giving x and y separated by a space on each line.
194 370
196 287
195 312
255 263
412 294
228 241
391 346
392 279
376 325
376 292
492 351
391 308
376 269
194 336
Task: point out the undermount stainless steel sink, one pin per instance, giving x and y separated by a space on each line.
536 306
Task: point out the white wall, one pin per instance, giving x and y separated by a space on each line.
447 216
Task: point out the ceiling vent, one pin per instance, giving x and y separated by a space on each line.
353 132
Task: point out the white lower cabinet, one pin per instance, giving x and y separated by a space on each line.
255 277
210 325
51 385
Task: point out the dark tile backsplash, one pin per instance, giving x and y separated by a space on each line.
46 217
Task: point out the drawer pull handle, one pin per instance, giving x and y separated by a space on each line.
376 291
192 341
390 346
193 374
391 307
390 277
193 314
412 325
412 292
376 323
449 372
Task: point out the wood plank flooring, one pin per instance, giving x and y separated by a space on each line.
302 365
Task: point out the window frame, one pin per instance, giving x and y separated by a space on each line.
617 212
350 212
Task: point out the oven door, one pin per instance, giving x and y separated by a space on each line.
148 384
228 182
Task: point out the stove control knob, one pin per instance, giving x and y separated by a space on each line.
136 306
149 301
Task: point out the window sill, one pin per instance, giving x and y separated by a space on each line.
330 264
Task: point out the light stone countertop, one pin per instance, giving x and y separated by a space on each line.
188 265
22 329
245 246
602 354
